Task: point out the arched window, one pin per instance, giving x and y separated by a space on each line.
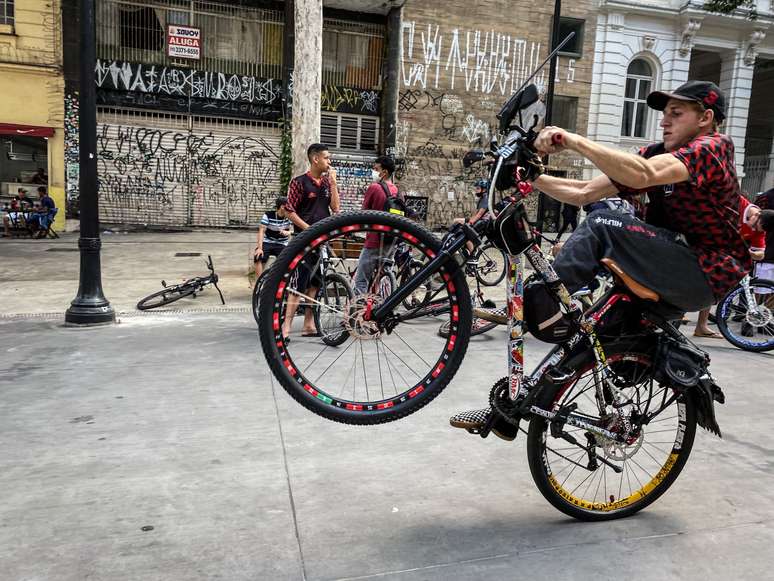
639 80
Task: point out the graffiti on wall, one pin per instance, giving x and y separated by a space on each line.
126 84
349 100
477 61
173 81
353 177
167 177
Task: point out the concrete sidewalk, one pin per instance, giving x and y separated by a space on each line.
160 449
41 276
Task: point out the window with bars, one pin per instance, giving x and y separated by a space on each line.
353 53
351 132
639 80
236 39
6 12
565 113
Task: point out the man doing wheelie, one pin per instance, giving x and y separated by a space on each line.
689 185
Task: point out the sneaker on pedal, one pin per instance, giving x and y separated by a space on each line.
499 316
474 421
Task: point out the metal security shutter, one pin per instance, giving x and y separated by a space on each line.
234 171
153 170
142 168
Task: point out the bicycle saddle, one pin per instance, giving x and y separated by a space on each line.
637 289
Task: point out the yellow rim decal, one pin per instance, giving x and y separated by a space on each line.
623 502
394 211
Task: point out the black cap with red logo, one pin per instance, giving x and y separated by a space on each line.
706 93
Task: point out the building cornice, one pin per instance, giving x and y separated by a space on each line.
690 9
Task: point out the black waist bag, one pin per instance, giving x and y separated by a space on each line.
680 364
543 314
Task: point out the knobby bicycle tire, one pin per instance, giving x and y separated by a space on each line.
613 506
166 296
288 370
726 310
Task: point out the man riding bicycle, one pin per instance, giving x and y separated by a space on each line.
688 249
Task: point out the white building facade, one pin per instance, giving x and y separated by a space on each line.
646 45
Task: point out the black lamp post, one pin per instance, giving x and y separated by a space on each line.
550 96
89 307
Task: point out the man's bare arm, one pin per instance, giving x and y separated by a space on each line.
576 192
335 199
625 168
297 221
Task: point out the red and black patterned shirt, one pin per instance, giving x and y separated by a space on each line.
705 210
310 198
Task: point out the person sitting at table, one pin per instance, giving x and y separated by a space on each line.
18 213
40 177
41 219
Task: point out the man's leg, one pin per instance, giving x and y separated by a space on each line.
651 256
300 280
702 328
365 267
309 328
6 226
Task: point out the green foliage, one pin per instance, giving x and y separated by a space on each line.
286 155
728 7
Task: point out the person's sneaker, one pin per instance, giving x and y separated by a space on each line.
499 316
475 420
747 330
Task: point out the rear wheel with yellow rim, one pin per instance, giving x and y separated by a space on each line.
598 478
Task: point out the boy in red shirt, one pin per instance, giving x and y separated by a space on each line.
375 199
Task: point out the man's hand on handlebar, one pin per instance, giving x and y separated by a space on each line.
553 140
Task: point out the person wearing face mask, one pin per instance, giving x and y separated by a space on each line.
375 199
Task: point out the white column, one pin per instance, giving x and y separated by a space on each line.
608 79
736 83
307 80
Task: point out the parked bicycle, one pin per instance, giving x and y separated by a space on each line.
192 286
745 316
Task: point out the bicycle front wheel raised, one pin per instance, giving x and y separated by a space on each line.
379 373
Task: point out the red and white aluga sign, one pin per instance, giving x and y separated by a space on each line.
184 42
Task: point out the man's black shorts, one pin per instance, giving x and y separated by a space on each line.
307 273
269 249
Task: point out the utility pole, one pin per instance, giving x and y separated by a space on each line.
89 307
550 97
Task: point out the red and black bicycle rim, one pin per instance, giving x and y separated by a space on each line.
378 374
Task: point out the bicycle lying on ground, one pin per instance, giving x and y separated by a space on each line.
612 408
175 292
